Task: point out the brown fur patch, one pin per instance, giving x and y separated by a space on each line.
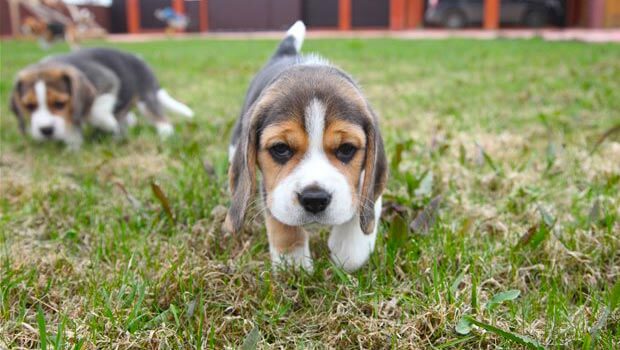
290 132
337 133
284 238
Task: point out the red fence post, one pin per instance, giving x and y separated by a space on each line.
203 8
133 16
415 13
491 14
397 14
344 14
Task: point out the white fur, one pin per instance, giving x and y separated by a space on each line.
314 170
231 153
298 32
42 117
142 108
102 114
298 257
350 247
164 129
313 59
131 119
173 105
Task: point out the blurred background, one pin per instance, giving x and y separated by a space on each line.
96 18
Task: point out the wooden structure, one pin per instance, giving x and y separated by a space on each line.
81 19
136 16
403 14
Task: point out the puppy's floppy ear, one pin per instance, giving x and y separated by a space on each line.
17 106
375 174
82 93
242 171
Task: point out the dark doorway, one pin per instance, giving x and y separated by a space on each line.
320 13
240 15
370 13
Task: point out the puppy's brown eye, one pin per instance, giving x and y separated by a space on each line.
345 152
281 152
31 106
59 104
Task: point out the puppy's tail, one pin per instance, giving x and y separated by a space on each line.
173 105
291 44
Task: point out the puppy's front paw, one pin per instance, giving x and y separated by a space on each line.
350 256
164 130
294 258
350 248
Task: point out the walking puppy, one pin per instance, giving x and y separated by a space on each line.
306 126
52 99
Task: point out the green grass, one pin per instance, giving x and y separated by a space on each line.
502 130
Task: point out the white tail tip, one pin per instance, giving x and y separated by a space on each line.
173 105
297 31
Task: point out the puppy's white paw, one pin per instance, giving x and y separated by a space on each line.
74 140
351 252
164 130
350 248
296 258
131 119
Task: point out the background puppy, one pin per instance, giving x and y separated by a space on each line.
52 99
307 127
50 32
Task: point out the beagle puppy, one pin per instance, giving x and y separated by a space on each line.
50 32
307 128
54 98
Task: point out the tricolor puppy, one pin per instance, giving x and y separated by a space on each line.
307 128
54 98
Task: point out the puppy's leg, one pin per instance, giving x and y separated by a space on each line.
288 245
150 107
102 114
73 138
126 119
349 246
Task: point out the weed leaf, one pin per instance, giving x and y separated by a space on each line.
487 159
425 219
425 187
464 326
517 338
551 155
163 199
457 281
548 219
398 232
251 340
502 297
398 155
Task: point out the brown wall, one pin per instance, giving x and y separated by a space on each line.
5 18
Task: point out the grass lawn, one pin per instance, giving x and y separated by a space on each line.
501 130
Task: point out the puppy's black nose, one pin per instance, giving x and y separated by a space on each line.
314 199
47 131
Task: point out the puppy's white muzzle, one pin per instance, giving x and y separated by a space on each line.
315 192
